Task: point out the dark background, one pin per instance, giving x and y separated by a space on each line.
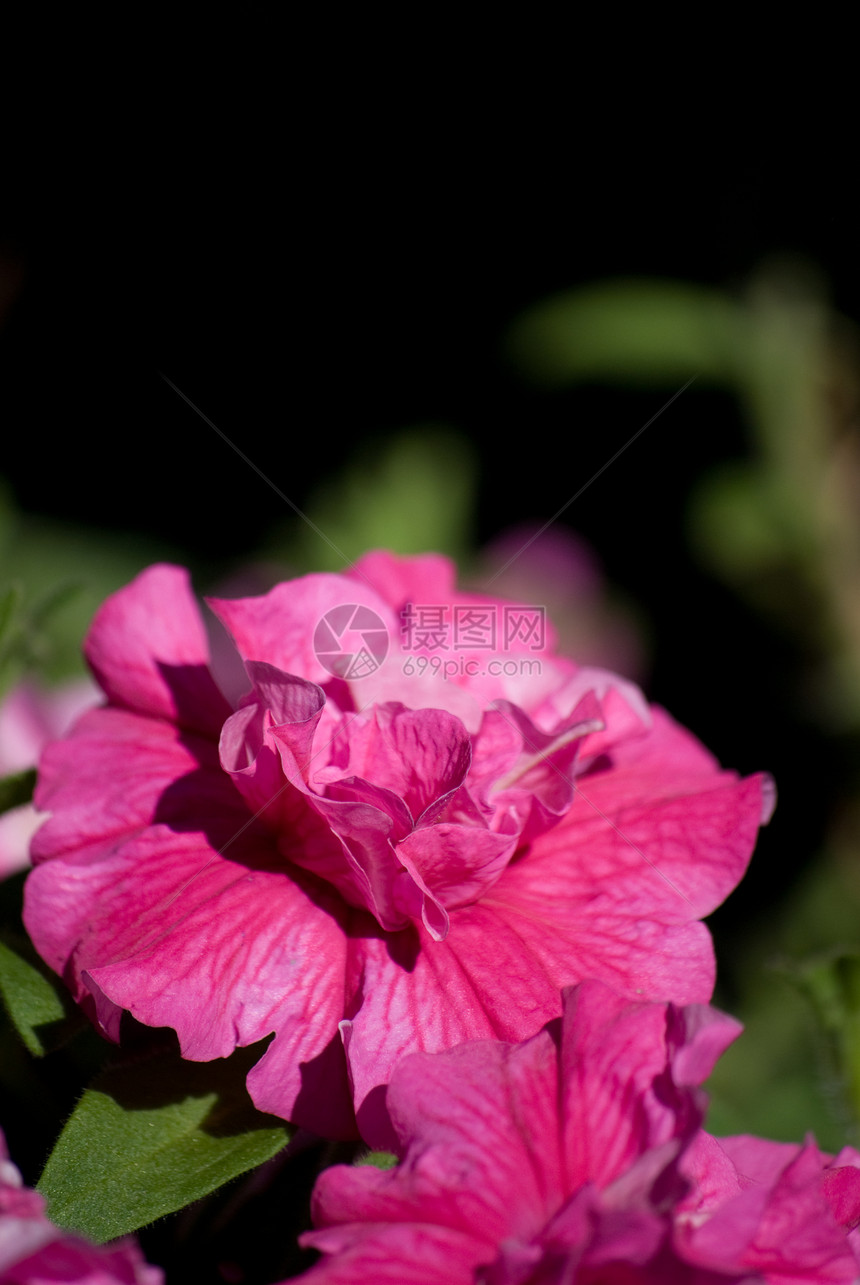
312 287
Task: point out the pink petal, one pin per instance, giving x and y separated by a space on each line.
115 773
554 1158
620 1061
280 627
33 1251
281 711
417 994
667 763
224 953
841 1188
148 649
400 1254
458 863
612 1053
420 755
476 1124
426 578
783 1229
625 711
756 1160
670 858
712 1178
697 1037
601 1241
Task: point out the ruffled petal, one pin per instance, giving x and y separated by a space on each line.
784 1229
474 1125
623 1097
458 863
397 1254
225 952
420 995
659 832
148 649
424 578
420 755
280 627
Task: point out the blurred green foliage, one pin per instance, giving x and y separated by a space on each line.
782 526
53 577
640 332
412 492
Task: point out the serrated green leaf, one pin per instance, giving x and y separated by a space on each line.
151 1136
16 790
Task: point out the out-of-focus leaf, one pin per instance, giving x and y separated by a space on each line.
832 984
150 1136
9 599
17 789
68 571
774 1081
416 493
733 524
640 332
783 1076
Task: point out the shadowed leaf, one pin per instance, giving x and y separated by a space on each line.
152 1135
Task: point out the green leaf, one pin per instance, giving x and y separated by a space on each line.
412 492
38 1004
17 789
8 603
638 332
379 1159
68 571
150 1136
831 982
36 1000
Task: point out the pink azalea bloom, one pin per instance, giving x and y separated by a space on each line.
371 865
562 1160
29 718
33 1251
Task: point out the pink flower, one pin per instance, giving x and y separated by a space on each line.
33 1251
562 1160
29 718
368 866
777 1209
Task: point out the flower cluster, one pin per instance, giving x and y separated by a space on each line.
464 898
578 1155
